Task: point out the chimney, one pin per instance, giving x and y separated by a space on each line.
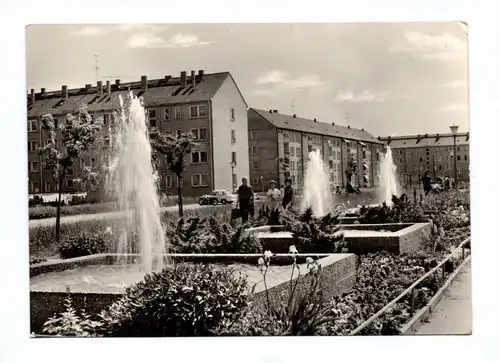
64 92
32 95
362 129
333 123
193 78
43 91
99 88
108 87
201 73
270 111
117 83
275 111
315 119
348 126
294 116
144 83
183 79
167 78
87 86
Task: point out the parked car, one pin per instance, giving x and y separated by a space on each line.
216 197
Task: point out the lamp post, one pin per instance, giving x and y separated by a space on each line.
261 183
454 130
233 182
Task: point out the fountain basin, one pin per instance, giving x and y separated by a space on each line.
272 238
397 238
95 281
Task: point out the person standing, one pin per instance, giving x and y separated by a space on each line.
287 194
427 182
245 199
273 196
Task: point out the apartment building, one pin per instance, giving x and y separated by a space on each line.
279 146
415 154
208 105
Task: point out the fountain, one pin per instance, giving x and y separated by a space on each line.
317 193
132 179
389 185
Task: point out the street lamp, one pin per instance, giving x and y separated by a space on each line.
454 130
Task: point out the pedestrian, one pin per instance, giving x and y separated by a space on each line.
288 194
245 199
338 191
427 182
273 196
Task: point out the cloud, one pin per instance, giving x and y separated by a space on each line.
456 84
91 31
437 47
152 40
455 107
96 30
351 97
279 81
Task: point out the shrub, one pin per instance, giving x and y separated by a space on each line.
35 260
82 245
184 300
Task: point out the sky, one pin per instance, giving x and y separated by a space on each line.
388 78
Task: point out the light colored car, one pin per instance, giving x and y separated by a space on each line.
216 197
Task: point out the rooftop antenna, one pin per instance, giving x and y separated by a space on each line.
96 67
346 117
293 107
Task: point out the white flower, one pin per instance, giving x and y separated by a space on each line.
260 262
268 254
293 250
309 260
108 230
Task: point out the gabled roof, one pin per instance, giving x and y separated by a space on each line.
160 92
430 140
289 122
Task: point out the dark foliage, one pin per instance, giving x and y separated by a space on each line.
82 245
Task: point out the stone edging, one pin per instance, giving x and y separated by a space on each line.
417 321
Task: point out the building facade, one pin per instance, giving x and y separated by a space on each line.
208 105
415 154
279 146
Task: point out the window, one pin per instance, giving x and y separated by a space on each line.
105 120
458 157
465 157
440 167
255 164
106 140
167 114
92 162
200 134
255 180
47 186
232 114
34 187
152 118
32 146
56 123
178 133
420 159
197 111
33 166
299 179
254 135
69 171
233 157
233 136
178 113
330 164
309 148
255 150
199 157
168 181
32 125
286 147
70 183
458 148
82 163
199 180
298 151
292 151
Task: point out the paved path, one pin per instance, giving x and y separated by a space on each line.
87 217
453 314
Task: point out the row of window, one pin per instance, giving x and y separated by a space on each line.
197 180
34 186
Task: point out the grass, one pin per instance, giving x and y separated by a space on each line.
42 212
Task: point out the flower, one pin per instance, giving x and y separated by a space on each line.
260 262
268 254
309 260
293 250
108 230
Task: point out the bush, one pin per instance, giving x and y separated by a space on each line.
82 245
184 300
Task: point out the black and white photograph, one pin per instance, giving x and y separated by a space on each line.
248 179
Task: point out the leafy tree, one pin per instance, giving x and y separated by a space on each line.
174 149
78 135
352 167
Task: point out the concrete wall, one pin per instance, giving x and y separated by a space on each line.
227 98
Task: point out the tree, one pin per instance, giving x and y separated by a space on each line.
174 149
352 167
78 135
